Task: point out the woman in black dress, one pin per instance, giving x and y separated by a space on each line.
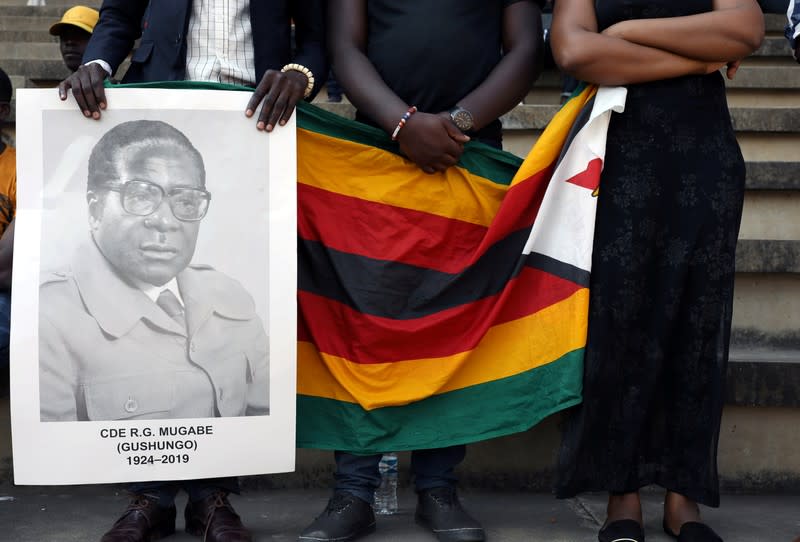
668 217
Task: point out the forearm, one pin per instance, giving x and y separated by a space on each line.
347 27
605 60
721 35
513 77
368 92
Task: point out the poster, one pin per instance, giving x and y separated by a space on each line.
153 298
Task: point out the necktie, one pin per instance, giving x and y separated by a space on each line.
170 304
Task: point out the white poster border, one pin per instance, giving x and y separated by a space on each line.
78 452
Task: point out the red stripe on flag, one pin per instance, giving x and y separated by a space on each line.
386 232
342 331
519 209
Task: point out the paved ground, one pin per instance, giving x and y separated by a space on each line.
81 514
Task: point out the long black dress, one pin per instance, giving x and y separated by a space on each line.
668 218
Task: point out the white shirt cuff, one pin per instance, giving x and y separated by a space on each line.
103 64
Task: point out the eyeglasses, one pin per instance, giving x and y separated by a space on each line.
142 198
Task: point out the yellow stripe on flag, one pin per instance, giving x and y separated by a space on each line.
551 333
372 174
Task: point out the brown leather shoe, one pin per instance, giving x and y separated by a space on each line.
214 519
143 521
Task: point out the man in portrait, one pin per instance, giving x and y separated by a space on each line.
132 329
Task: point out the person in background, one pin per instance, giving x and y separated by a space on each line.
432 75
73 31
222 41
8 208
793 28
661 286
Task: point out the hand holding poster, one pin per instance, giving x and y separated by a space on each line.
153 308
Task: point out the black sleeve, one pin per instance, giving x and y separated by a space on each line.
309 25
119 26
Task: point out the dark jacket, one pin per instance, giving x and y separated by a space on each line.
162 26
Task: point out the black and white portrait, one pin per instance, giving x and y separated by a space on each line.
134 327
153 299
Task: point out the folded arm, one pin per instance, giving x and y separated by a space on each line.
733 30
597 58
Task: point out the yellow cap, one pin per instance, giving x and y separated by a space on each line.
80 16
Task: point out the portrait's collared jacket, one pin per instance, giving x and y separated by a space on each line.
108 352
162 26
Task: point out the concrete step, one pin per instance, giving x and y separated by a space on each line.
25 36
771 215
766 307
774 22
768 256
21 7
777 46
33 21
763 98
36 69
760 119
25 51
536 116
764 76
757 377
773 175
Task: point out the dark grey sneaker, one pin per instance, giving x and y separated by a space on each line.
439 510
345 518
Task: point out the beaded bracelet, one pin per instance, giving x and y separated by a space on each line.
403 120
305 71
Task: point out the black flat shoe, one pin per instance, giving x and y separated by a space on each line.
345 518
439 510
693 531
622 530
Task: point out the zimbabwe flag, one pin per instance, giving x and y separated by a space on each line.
442 309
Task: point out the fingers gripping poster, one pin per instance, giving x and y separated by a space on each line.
153 297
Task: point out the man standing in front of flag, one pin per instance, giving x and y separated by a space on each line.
239 42
433 76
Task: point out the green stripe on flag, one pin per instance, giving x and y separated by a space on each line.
489 410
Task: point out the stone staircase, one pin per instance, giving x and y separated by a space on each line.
761 427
